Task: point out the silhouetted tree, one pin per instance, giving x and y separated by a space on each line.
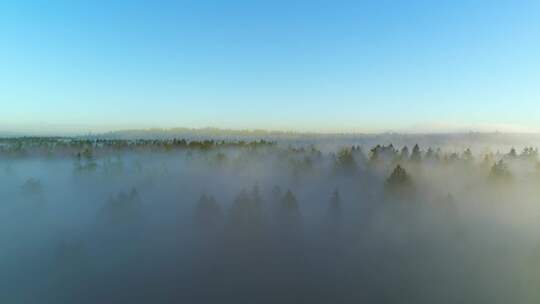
121 218
345 162
288 216
468 156
499 172
416 155
512 154
334 210
529 153
208 214
358 154
246 215
383 153
374 156
430 154
487 162
404 155
275 197
399 182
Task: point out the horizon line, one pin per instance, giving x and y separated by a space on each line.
250 131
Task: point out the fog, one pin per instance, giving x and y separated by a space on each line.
169 221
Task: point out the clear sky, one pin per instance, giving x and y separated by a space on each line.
295 65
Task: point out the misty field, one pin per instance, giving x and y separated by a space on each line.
202 221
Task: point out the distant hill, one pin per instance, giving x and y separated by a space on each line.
474 140
188 133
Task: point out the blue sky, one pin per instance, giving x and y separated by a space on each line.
288 65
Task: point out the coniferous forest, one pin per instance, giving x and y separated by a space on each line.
258 221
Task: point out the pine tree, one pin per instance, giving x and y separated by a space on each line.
374 156
500 172
468 156
345 162
404 155
244 210
399 182
416 155
430 154
512 154
334 209
289 214
208 214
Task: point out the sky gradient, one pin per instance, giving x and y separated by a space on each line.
357 66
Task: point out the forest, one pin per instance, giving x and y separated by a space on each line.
89 220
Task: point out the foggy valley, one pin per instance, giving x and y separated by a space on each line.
232 221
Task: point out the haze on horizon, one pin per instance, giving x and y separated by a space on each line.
326 66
